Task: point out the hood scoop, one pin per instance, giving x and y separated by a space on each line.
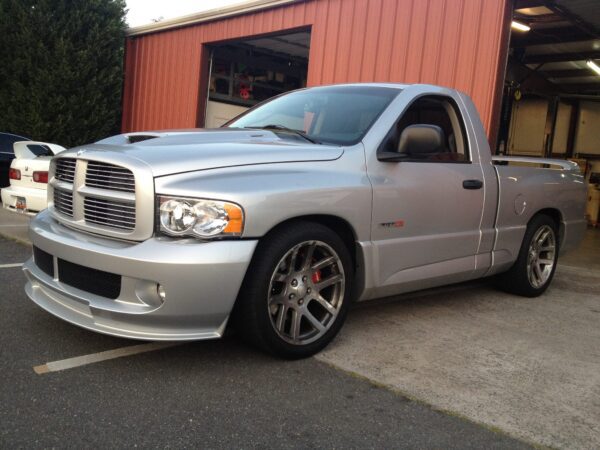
175 137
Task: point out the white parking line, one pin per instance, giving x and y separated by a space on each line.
8 266
64 364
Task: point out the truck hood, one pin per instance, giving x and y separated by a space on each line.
172 152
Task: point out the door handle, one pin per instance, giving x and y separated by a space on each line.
472 184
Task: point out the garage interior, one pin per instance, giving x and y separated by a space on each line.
552 91
551 102
246 72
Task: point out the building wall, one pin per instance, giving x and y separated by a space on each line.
456 43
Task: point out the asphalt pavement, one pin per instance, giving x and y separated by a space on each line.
212 394
14 225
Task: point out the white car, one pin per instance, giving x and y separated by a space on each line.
28 176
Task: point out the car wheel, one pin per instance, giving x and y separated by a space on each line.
534 269
296 294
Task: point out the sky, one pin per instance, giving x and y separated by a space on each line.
142 12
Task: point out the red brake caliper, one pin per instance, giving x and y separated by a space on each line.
316 276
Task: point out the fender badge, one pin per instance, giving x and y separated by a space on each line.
396 224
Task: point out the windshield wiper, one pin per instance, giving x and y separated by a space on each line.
289 130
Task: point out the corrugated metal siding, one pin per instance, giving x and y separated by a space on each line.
456 43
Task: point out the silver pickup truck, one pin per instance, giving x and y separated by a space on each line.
281 219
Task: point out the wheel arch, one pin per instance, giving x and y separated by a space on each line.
336 224
347 233
556 216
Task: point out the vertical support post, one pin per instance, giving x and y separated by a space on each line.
572 129
505 115
494 124
550 127
205 56
231 75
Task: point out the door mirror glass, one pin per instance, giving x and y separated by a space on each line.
421 141
416 142
431 129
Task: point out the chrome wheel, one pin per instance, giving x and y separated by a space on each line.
541 256
306 292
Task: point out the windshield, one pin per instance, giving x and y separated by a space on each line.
337 114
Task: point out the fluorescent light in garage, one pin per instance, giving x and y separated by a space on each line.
592 65
520 26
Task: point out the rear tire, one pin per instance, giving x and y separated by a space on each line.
296 293
534 269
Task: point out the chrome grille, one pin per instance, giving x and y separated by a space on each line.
63 202
103 197
110 213
108 176
65 169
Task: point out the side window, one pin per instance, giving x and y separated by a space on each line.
440 112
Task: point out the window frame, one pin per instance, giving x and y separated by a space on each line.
459 117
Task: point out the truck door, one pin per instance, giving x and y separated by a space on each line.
427 207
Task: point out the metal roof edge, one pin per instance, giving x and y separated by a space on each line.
206 16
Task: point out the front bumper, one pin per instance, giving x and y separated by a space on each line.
201 281
36 198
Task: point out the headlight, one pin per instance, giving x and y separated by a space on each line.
200 217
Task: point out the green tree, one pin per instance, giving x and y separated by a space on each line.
61 68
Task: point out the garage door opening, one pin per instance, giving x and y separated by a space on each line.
246 72
551 104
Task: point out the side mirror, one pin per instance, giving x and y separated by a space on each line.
416 142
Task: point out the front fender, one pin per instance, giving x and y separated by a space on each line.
273 193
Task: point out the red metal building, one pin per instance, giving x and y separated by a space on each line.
457 43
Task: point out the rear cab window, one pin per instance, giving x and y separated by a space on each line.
40 150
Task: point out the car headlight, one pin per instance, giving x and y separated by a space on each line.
199 217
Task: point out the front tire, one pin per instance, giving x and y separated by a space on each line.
534 269
295 296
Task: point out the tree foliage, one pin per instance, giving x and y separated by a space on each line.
61 68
